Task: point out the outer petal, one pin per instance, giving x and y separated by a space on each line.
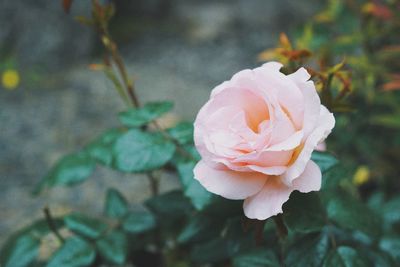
229 184
310 179
325 123
268 202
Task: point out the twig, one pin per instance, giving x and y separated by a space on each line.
51 224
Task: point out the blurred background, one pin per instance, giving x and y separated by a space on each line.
52 103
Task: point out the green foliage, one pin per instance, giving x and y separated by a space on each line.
230 243
391 245
22 248
116 205
256 258
304 213
200 227
182 132
139 151
85 226
198 195
169 205
350 213
139 221
137 117
75 252
325 161
345 256
101 148
113 247
308 251
70 170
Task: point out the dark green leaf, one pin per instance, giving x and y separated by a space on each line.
256 258
139 221
137 117
70 170
350 213
85 226
308 251
138 151
232 242
200 227
213 251
101 148
345 257
21 250
113 247
391 245
116 205
304 212
75 252
170 204
183 133
199 196
325 161
391 211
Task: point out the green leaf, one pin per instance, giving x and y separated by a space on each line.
20 251
101 148
256 258
75 252
138 151
391 245
304 212
231 242
309 251
170 204
70 170
85 226
183 133
113 247
198 195
199 228
139 221
21 248
137 117
350 213
325 161
345 257
116 205
391 210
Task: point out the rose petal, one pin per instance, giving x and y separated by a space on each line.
229 184
300 76
325 123
310 179
312 106
287 92
268 202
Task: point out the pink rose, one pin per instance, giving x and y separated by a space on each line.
256 135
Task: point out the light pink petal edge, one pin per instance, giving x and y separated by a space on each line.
229 184
269 201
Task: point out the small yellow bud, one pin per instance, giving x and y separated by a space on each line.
10 79
361 176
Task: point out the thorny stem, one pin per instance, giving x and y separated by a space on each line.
112 48
51 224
